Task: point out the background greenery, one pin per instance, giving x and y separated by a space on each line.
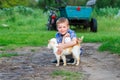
43 3
26 26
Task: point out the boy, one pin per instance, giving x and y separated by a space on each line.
65 36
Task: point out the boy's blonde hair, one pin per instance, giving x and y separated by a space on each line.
62 20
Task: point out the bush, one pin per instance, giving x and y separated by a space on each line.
12 3
13 10
108 11
107 3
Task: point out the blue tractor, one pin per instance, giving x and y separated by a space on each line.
79 16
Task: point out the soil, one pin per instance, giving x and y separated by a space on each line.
34 63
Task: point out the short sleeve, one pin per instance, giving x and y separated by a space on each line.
72 34
58 38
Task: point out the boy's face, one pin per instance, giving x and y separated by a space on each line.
62 28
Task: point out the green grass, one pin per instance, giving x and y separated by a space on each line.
67 75
8 54
30 30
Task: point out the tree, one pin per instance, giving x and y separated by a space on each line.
107 3
61 3
11 3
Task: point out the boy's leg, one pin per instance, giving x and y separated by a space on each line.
70 57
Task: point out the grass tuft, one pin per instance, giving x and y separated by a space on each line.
8 54
67 75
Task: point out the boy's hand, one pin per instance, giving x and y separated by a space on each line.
60 49
59 52
67 35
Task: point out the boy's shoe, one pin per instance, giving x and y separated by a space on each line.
70 61
81 51
55 61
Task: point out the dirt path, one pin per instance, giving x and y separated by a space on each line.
100 66
35 64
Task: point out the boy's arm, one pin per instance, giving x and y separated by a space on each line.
63 40
60 49
69 44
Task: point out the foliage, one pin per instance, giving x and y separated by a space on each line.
60 3
16 10
57 3
11 3
29 29
107 3
108 11
99 3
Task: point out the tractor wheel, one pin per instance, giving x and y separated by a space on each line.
93 25
49 28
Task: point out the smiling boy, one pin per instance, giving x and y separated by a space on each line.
65 36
